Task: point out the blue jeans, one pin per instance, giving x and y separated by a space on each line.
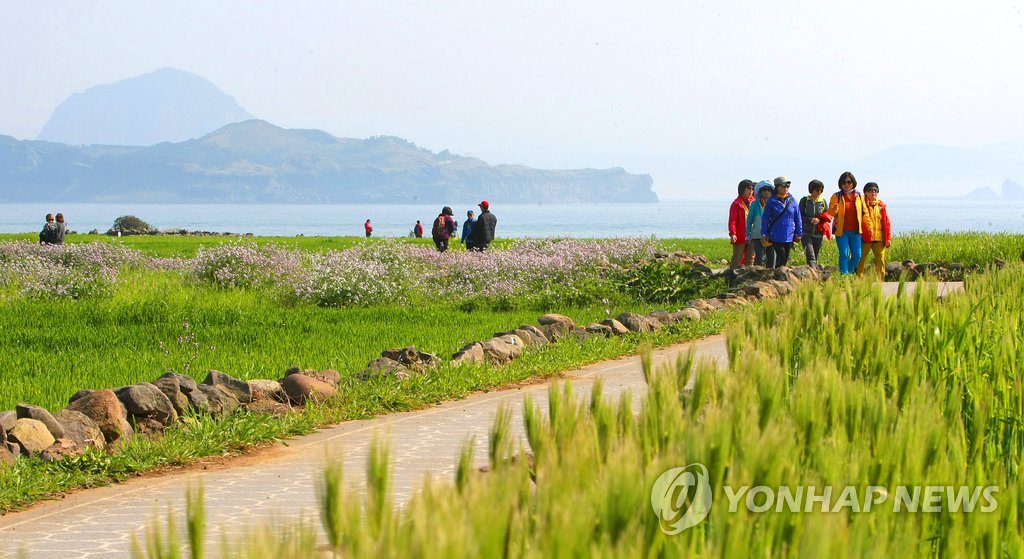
850 245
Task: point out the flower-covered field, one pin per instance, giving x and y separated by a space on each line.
100 315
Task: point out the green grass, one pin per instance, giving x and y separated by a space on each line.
834 386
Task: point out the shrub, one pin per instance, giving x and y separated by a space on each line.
129 225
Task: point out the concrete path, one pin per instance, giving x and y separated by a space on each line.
280 483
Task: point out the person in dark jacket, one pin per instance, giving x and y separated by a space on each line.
781 225
483 229
443 228
50 232
467 228
811 208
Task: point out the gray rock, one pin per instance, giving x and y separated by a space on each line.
599 329
237 389
406 355
104 408
384 367
171 388
686 314
537 337
515 344
701 305
617 328
472 354
186 384
662 316
330 376
554 318
146 401
31 435
301 389
782 287
61 449
266 390
81 429
638 322
219 402
7 419
760 290
555 331
497 351
80 394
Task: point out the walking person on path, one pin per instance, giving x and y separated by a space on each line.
738 211
483 229
467 229
811 208
764 193
876 231
368 228
846 207
781 225
443 228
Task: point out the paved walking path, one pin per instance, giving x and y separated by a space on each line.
281 483
99 522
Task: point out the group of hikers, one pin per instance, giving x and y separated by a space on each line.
765 222
477 232
54 230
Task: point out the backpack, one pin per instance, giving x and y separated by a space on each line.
440 227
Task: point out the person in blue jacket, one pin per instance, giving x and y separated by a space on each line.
781 225
467 228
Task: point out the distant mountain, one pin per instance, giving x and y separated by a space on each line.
257 162
167 105
1010 191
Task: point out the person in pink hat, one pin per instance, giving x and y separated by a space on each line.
483 229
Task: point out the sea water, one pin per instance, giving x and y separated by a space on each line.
672 218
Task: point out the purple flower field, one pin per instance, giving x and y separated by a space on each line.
381 273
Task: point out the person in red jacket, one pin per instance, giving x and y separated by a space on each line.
417 230
742 253
875 230
368 228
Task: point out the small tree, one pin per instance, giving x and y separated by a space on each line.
130 225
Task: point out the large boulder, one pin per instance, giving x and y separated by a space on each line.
553 318
197 400
28 411
497 351
760 290
472 354
31 435
218 402
301 389
146 401
638 322
686 314
411 358
515 344
616 327
103 407
555 331
539 338
237 389
663 317
171 387
81 429
600 329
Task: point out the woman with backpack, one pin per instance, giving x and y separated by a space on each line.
443 229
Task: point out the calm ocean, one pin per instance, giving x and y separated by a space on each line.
672 218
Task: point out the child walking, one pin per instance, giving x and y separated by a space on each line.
876 230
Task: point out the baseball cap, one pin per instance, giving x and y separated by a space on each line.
483 204
781 181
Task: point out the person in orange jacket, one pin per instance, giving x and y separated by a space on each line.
875 230
846 207
742 253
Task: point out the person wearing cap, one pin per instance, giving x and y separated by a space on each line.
811 208
738 211
483 229
764 193
876 231
467 228
846 207
780 224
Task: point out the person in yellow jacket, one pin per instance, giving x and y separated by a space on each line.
846 207
876 231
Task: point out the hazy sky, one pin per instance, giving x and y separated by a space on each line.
567 84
